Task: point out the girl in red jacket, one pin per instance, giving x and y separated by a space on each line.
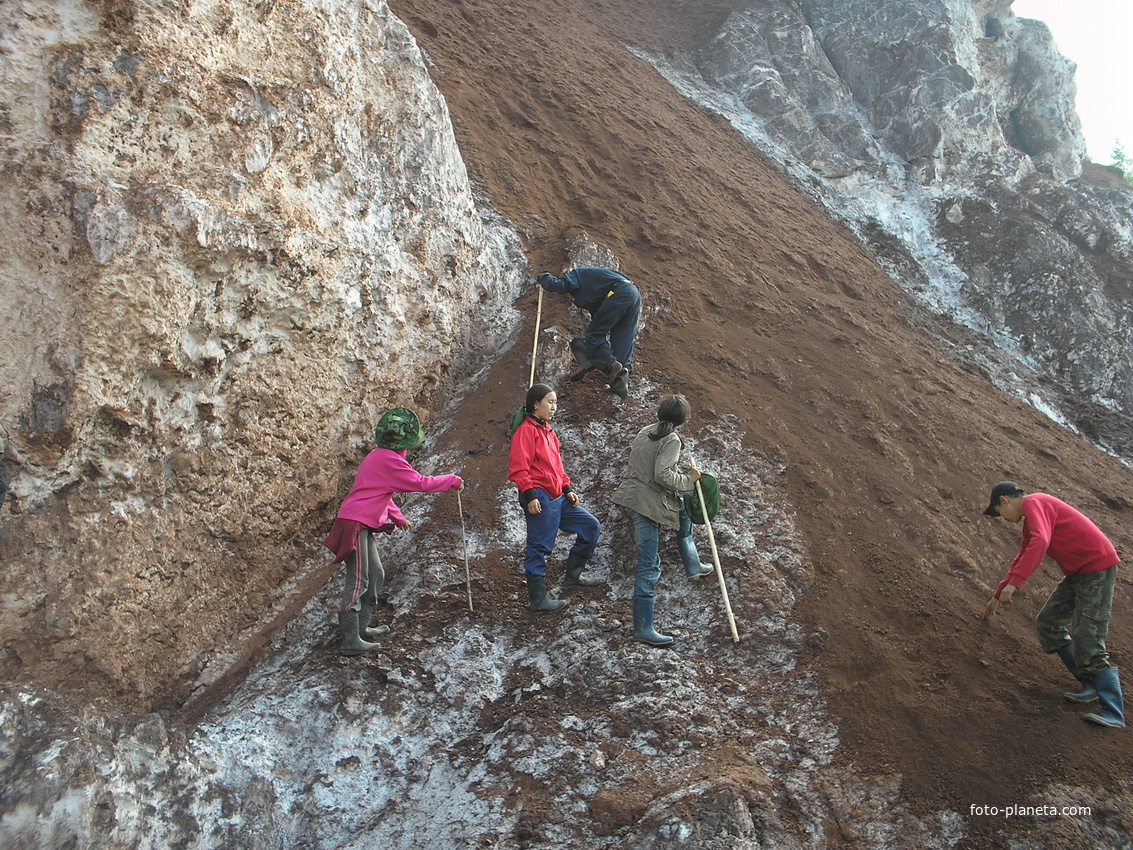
549 504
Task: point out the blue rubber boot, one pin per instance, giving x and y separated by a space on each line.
1087 694
643 624
1112 713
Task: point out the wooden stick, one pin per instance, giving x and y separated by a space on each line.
535 347
716 561
464 534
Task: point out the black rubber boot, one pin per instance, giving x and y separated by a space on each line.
578 349
350 643
1087 694
643 624
620 385
573 577
537 597
611 370
364 631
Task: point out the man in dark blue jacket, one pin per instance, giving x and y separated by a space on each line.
614 304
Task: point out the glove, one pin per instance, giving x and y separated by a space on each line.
545 279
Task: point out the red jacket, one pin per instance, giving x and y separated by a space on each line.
1052 527
535 461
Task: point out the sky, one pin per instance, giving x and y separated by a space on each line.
1098 36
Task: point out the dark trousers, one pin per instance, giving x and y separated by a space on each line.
617 319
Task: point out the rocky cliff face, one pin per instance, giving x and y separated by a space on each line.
944 133
243 230
234 236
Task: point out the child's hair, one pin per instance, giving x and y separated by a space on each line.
673 412
536 394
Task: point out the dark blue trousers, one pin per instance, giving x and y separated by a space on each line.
543 528
617 318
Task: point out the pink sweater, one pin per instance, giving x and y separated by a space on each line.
1052 527
382 473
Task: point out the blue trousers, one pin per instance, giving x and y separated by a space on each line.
617 318
647 535
544 527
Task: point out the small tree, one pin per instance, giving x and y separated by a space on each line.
1122 161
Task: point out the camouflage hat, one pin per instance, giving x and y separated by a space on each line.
399 429
711 488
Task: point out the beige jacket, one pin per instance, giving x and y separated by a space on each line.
652 485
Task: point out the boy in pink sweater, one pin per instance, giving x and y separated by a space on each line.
369 509
1074 621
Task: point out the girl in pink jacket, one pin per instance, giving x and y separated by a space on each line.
369 508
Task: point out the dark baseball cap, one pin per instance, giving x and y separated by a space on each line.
1003 488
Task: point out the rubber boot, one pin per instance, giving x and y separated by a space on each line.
1087 694
611 370
1112 714
620 385
574 566
537 596
364 631
698 571
578 349
643 624
349 641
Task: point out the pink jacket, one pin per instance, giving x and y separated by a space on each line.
382 473
1052 527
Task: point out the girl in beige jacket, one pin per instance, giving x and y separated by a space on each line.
651 492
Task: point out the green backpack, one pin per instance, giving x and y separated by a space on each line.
516 420
711 488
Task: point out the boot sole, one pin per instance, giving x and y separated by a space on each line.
351 653
1076 701
1098 720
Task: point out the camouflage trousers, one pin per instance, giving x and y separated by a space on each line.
1077 614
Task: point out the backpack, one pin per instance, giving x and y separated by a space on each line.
711 488
516 420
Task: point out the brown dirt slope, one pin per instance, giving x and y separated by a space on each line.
778 317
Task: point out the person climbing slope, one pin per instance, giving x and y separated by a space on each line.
614 304
1074 621
369 509
651 493
549 503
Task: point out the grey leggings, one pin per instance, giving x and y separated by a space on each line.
365 574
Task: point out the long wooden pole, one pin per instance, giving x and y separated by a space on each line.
716 561
535 346
464 534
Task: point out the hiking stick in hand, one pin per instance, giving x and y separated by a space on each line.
535 346
464 534
716 562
